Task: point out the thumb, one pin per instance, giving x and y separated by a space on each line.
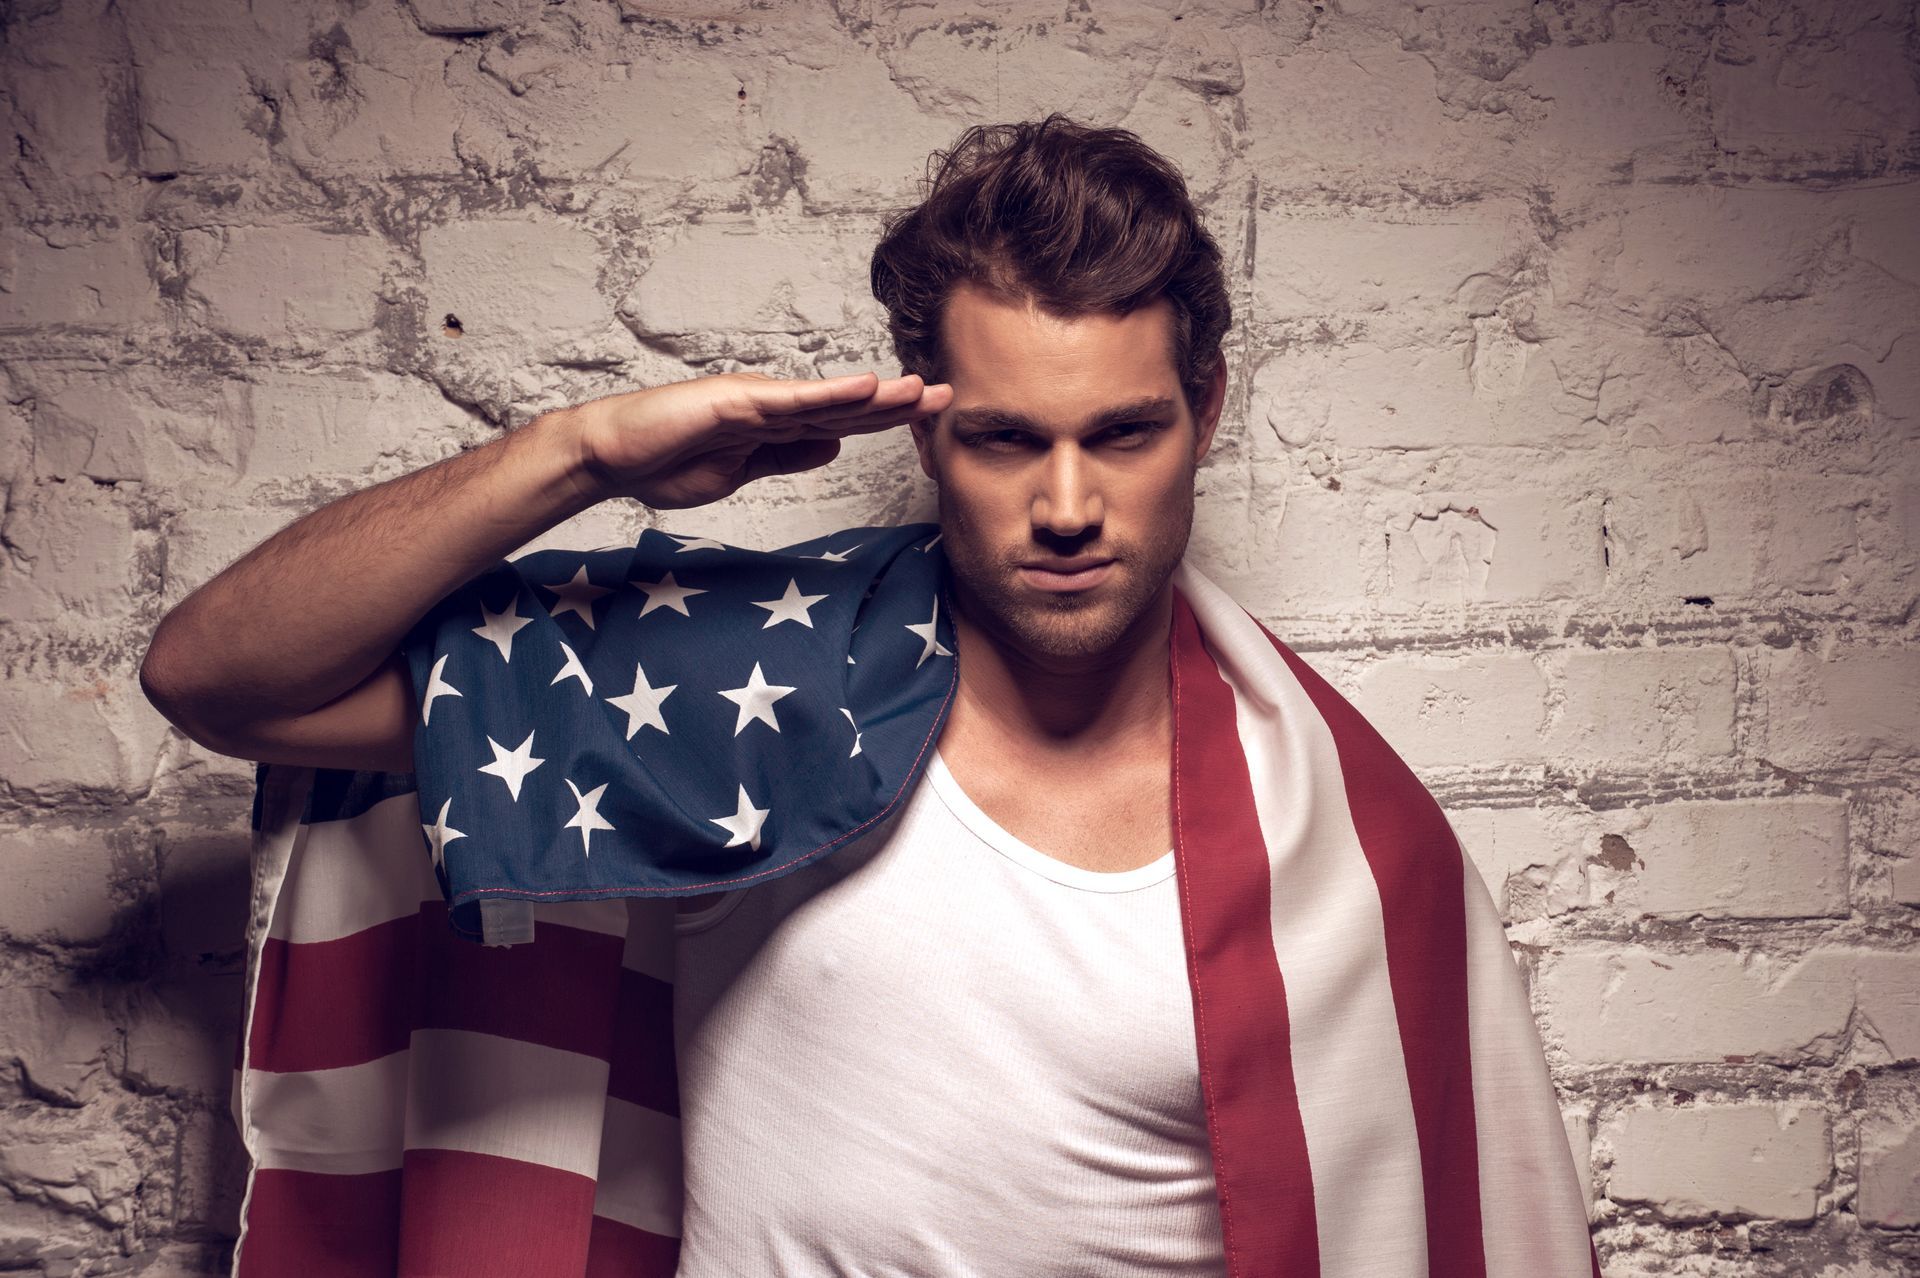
790 457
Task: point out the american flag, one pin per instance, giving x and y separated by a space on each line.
1377 1096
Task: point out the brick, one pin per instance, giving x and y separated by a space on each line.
291 283
1697 1162
1757 858
62 109
861 138
337 423
1308 549
1889 1171
1090 68
1635 1005
1843 92
199 116
1443 711
58 882
1604 106
1889 1001
104 284
181 1034
1837 712
1906 881
59 1038
1388 393
1496 544
86 728
132 424
368 94
71 564
516 284
1313 262
1645 705
669 123
743 276
1372 112
1701 538
57 1155
1526 857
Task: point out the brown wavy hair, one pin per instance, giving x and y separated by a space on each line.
1079 219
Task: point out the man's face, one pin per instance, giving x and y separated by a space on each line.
1067 440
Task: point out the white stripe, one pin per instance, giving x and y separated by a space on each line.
640 1169
1328 934
344 1121
1533 1211
490 1095
355 873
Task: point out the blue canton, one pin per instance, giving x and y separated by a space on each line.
675 717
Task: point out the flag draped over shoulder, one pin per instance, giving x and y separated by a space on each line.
601 730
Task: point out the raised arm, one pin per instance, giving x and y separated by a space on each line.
291 653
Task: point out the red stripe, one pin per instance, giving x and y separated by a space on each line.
483 1216
320 1226
328 1004
1418 869
619 1250
557 991
643 1069
1262 1176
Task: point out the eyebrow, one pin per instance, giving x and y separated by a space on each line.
991 418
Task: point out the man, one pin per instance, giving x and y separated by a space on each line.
965 1042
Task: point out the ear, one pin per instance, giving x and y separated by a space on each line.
922 431
1208 414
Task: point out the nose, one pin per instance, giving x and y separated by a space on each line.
1067 500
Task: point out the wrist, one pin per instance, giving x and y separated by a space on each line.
564 445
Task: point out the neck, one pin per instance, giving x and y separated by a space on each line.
1057 708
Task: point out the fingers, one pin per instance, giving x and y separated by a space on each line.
860 395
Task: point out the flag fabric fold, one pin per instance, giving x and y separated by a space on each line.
414 1103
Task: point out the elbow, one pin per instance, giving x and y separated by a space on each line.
163 694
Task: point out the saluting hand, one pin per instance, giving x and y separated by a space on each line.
693 442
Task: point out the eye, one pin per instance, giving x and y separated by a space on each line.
1132 434
997 440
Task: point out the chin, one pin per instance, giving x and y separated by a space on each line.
1067 626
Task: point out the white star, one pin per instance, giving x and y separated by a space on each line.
588 818
697 543
744 825
837 556
437 687
499 627
856 732
925 631
667 593
791 606
643 704
439 834
577 597
512 765
572 670
756 700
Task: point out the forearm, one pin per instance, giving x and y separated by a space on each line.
309 613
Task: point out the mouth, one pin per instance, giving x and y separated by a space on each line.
1077 575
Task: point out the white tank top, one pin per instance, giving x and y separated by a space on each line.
942 1052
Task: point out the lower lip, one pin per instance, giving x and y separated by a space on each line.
1046 580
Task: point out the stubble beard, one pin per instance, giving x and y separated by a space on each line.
1066 626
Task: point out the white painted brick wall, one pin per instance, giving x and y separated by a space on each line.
1571 433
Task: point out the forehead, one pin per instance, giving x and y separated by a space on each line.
1012 353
